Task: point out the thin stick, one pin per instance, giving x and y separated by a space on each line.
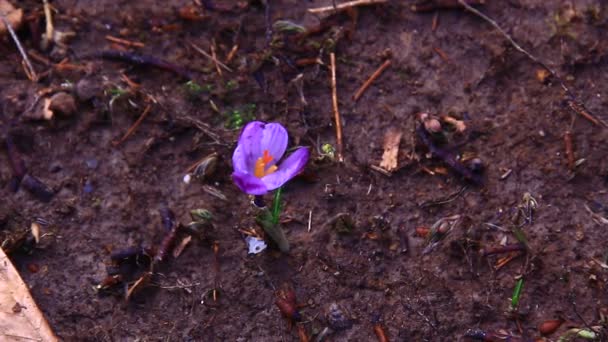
31 73
50 34
575 105
442 54
125 42
214 60
309 220
346 5
214 56
371 79
232 53
133 127
334 98
569 150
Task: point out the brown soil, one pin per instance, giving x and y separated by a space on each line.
108 197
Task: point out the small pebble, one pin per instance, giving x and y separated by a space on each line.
92 163
336 318
63 104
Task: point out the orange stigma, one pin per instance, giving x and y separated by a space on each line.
260 169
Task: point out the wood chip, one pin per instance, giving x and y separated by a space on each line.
20 318
392 139
177 251
13 15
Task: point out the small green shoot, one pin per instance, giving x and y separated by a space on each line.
516 294
288 26
231 85
577 332
237 118
115 93
201 215
328 150
520 236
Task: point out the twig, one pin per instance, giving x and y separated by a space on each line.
443 200
442 54
133 127
213 59
125 42
569 150
346 5
434 5
371 79
29 69
573 103
216 268
334 98
232 53
50 30
143 60
309 220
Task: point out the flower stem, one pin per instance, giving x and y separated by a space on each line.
269 219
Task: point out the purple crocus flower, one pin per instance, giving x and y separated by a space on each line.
255 159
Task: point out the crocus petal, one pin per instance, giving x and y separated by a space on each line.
288 169
274 140
249 184
249 147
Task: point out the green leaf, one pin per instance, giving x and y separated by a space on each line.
516 293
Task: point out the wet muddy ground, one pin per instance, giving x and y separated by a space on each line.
370 267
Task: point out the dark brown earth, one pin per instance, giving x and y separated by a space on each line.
108 197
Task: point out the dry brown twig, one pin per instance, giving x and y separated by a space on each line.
346 5
29 69
134 126
232 53
213 59
571 100
371 79
125 42
334 101
50 29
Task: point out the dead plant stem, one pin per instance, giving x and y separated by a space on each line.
134 126
31 73
346 5
334 98
371 79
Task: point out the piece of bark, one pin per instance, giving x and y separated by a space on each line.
392 139
20 318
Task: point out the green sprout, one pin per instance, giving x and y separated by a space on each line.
231 85
577 332
237 118
201 215
288 26
328 150
193 87
115 93
517 294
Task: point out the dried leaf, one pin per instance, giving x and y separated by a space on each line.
20 318
392 139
